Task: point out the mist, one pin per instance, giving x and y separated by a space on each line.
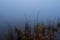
14 11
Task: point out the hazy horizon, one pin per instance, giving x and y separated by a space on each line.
15 9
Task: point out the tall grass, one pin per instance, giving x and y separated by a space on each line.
41 32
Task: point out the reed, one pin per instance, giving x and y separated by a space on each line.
41 32
10 35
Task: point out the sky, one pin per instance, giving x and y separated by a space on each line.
16 10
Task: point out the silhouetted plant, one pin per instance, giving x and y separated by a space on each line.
58 24
10 33
27 32
41 32
19 34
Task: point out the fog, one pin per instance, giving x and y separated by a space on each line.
17 12
14 11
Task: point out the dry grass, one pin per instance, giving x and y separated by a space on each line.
41 32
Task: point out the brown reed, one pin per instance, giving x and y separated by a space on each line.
41 32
